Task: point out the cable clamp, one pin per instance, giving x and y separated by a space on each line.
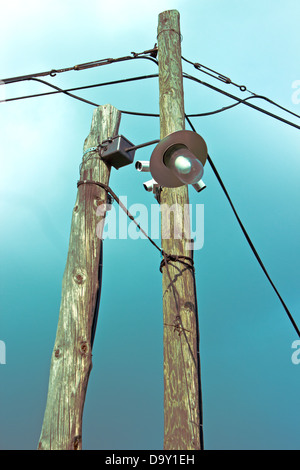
170 29
91 149
99 146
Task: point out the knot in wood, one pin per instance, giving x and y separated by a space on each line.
190 306
84 348
79 276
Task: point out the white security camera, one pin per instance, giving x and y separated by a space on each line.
199 186
150 185
142 166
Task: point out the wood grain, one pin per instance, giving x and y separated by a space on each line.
71 360
181 359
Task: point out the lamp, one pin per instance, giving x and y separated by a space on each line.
179 159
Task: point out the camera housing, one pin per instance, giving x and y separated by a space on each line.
142 166
150 185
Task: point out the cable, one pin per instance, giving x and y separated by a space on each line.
152 57
248 237
225 108
214 74
67 92
126 80
149 55
198 357
268 113
240 101
140 114
224 79
59 90
98 295
64 91
244 101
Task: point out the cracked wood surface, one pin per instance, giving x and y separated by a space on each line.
71 361
182 395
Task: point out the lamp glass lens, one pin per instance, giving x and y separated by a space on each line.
184 164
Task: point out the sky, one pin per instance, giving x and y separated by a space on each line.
250 384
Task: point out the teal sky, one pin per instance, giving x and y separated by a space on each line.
250 385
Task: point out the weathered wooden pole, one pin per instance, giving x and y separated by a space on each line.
182 394
71 360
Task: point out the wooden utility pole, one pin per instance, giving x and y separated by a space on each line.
71 360
182 393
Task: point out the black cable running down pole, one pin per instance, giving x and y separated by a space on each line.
248 238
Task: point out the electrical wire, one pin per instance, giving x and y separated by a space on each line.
150 54
242 101
134 113
239 100
248 237
214 74
225 108
67 92
60 90
224 79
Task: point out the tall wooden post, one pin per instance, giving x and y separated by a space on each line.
71 360
182 395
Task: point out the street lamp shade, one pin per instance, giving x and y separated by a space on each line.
179 159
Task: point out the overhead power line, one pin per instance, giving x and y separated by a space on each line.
225 108
86 87
152 56
149 55
258 258
214 74
60 90
245 102
143 77
227 80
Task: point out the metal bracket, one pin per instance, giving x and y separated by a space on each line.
91 149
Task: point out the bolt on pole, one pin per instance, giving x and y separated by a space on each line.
182 384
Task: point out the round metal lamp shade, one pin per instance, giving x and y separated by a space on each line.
160 172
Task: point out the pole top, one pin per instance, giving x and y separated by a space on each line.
169 20
169 12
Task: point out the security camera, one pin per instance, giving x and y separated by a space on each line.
150 185
199 186
142 166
